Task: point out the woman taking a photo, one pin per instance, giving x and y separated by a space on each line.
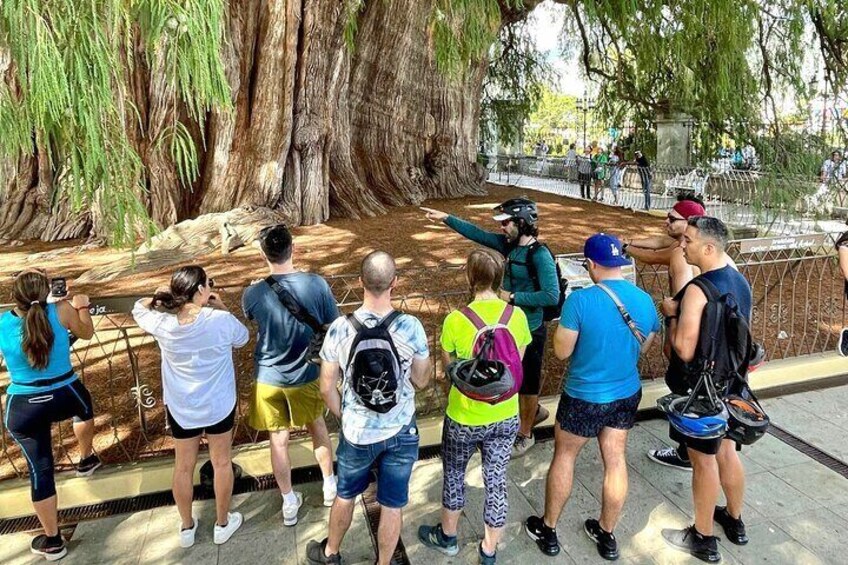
473 424
44 389
196 335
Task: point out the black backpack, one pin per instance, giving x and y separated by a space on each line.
548 312
725 346
374 366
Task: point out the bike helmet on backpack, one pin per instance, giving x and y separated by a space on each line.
517 208
694 421
481 379
746 422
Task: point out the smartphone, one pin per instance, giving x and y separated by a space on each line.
58 287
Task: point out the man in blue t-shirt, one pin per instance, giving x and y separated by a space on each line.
603 330
286 394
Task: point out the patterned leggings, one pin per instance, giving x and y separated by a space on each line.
458 445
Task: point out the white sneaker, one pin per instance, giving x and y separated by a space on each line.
522 445
187 536
290 510
222 534
329 495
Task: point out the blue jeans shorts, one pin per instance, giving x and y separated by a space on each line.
392 458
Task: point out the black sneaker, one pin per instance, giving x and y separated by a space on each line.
669 457
545 537
604 540
315 554
88 465
51 548
689 540
734 528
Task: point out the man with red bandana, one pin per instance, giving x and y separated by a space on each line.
666 250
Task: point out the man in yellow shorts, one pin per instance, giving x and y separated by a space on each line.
286 394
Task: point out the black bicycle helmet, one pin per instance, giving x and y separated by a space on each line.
746 420
517 209
483 380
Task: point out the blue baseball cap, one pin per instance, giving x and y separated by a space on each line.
605 250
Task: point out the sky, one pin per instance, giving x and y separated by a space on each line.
545 23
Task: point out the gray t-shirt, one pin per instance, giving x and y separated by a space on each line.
282 342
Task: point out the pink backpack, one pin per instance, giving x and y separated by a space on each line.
495 372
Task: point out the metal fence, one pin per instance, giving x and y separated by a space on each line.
777 204
799 309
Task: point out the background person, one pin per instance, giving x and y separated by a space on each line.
530 287
646 177
616 164
387 441
471 424
44 389
585 166
601 392
600 175
286 394
196 335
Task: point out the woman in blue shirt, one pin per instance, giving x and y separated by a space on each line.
44 389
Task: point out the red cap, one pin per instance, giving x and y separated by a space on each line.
689 209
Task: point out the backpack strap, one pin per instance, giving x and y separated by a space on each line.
390 319
473 317
625 315
357 325
506 315
384 323
300 313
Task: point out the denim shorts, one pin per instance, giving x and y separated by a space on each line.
392 458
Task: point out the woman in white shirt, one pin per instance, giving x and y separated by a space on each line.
196 335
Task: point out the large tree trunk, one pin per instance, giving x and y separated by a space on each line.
317 129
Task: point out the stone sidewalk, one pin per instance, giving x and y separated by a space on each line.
796 509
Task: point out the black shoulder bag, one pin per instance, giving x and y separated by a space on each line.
303 316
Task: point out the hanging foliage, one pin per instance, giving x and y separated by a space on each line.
69 91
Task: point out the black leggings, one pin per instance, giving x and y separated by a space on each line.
29 418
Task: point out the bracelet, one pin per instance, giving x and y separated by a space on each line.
83 308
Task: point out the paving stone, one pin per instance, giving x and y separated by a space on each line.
424 508
270 547
775 498
769 544
356 546
816 481
115 540
14 549
819 530
771 453
808 426
827 404
161 540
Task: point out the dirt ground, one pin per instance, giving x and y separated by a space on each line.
431 283
337 246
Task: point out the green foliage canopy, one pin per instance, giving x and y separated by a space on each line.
68 96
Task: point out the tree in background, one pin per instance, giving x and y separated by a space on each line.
556 120
122 117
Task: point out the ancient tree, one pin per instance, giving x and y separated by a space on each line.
124 117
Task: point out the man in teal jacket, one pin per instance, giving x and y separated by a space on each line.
530 287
